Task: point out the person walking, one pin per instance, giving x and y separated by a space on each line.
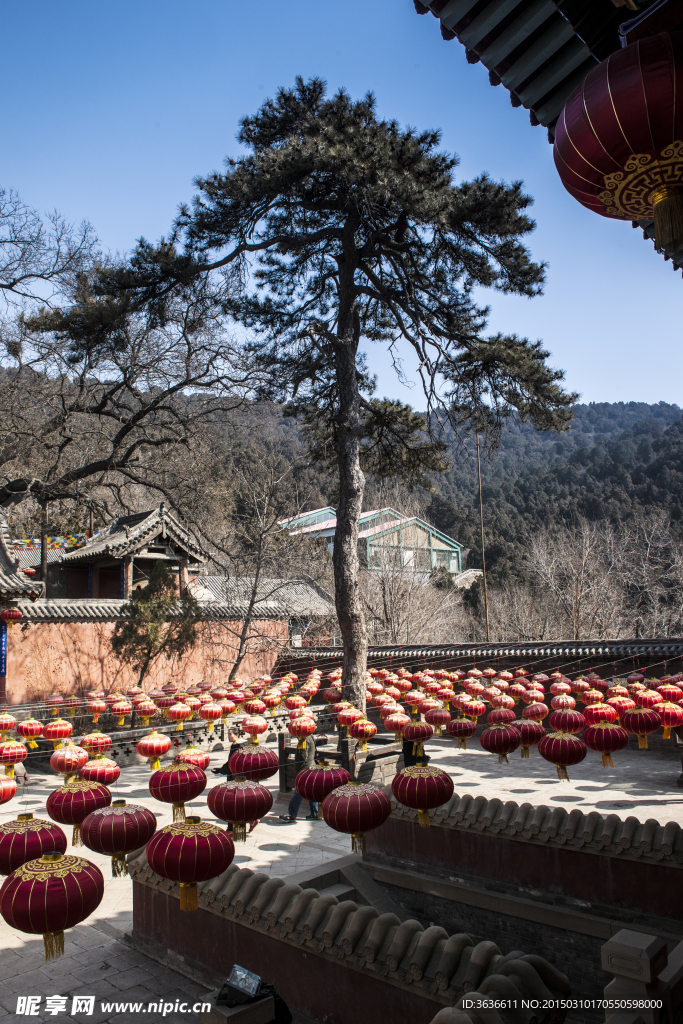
302 759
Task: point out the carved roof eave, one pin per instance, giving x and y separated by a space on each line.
13 584
128 541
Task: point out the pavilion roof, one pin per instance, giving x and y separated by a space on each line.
128 535
13 584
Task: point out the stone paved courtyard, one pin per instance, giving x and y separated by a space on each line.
98 962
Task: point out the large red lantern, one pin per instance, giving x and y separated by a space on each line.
567 721
28 730
362 730
12 752
606 738
301 728
356 808
254 726
72 802
641 722
254 762
152 747
26 838
194 755
422 787
438 718
536 711
121 708
562 749
595 713
500 739
177 783
8 788
118 830
95 707
619 139
530 732
211 713
50 894
10 615
671 716
395 723
8 722
57 730
96 743
418 732
462 729
68 760
100 769
316 783
179 713
189 852
238 802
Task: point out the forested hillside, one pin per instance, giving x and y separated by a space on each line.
616 458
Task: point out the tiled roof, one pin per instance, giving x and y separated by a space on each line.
130 533
429 961
71 610
13 583
626 838
276 598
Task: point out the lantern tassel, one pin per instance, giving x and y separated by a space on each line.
462 743
179 726
667 732
154 764
320 812
239 831
32 744
119 865
423 819
209 727
562 773
607 761
178 812
503 759
9 771
188 896
76 836
53 943
642 743
301 744
667 201
358 842
525 751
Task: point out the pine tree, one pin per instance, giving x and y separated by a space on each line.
158 624
353 228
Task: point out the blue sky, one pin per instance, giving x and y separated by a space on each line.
111 110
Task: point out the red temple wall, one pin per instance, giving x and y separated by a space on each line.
75 656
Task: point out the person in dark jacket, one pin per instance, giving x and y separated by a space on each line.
302 759
235 745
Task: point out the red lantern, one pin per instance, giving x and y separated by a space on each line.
189 852
620 691
562 749
121 708
68 760
70 704
96 743
177 783
595 713
517 691
418 732
363 731
668 692
254 762
12 752
500 739
648 698
170 688
10 615
100 769
55 700
536 711
152 747
239 802
562 701
606 738
462 729
295 701
355 809
254 725
503 701
166 702
473 708
193 755
57 731
395 723
8 788
146 709
618 143
422 787
592 696
72 802
8 722
179 713
95 707
567 720
316 783
193 703
620 704
671 716
641 722
218 692
500 716
530 732
438 718
227 707
27 838
301 728
28 730
50 894
118 830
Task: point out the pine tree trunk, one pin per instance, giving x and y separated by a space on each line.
351 486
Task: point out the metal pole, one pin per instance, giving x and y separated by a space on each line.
483 552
